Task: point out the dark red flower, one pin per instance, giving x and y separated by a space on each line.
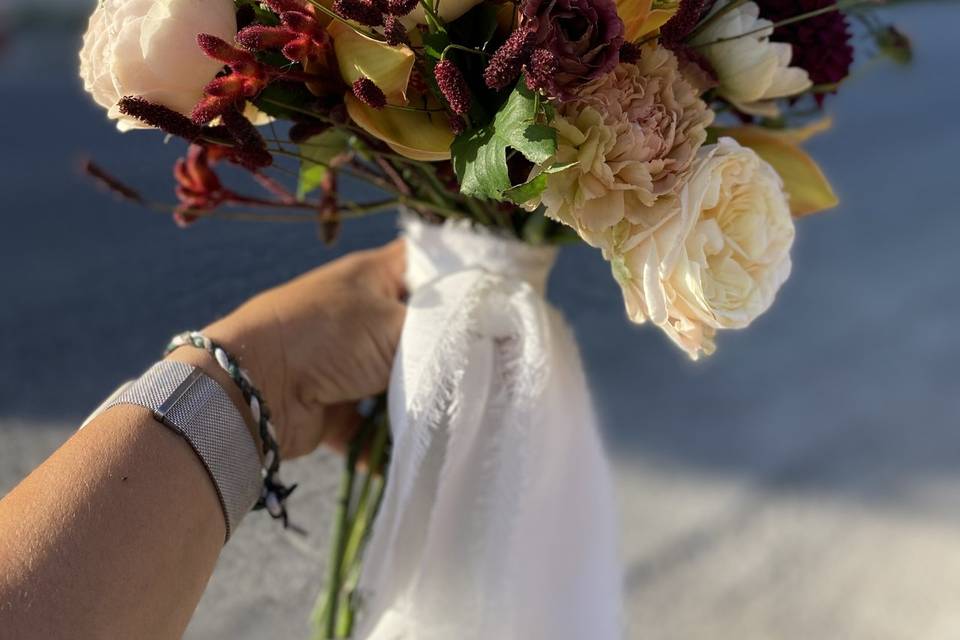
458 125
584 36
542 67
821 44
629 53
367 92
365 12
401 8
684 21
159 116
198 187
507 62
394 31
299 37
452 85
246 79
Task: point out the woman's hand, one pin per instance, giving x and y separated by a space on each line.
317 344
115 536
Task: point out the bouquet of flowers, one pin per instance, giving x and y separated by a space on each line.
664 133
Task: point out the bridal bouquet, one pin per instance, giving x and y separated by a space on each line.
665 133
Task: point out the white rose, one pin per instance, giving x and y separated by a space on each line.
148 48
752 70
717 260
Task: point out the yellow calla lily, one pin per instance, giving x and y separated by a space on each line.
800 135
809 190
414 134
359 56
642 17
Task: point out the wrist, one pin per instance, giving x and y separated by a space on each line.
205 362
256 350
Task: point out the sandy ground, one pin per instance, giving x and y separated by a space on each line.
707 556
803 483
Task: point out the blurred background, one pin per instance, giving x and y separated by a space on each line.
802 483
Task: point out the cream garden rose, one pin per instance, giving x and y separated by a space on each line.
752 71
148 48
714 262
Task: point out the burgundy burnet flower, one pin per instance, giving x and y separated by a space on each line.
507 62
366 12
394 31
401 8
452 85
542 67
583 36
821 44
159 116
457 125
367 92
684 21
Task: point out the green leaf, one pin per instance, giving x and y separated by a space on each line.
271 99
480 155
523 193
318 152
532 188
434 42
261 14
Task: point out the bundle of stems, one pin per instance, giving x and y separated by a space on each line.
360 494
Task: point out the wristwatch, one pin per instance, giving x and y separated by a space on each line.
195 406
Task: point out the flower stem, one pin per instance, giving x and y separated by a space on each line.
460 47
837 6
710 19
434 21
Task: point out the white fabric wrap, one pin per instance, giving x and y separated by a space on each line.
498 520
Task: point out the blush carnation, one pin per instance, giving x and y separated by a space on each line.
633 135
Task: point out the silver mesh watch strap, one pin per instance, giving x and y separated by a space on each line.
185 399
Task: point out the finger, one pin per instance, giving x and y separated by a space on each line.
391 261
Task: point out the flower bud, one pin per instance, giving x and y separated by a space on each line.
505 64
367 92
452 86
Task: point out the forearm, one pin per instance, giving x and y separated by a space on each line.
114 536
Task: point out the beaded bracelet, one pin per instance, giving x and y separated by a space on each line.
274 493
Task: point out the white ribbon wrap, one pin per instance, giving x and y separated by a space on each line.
498 521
